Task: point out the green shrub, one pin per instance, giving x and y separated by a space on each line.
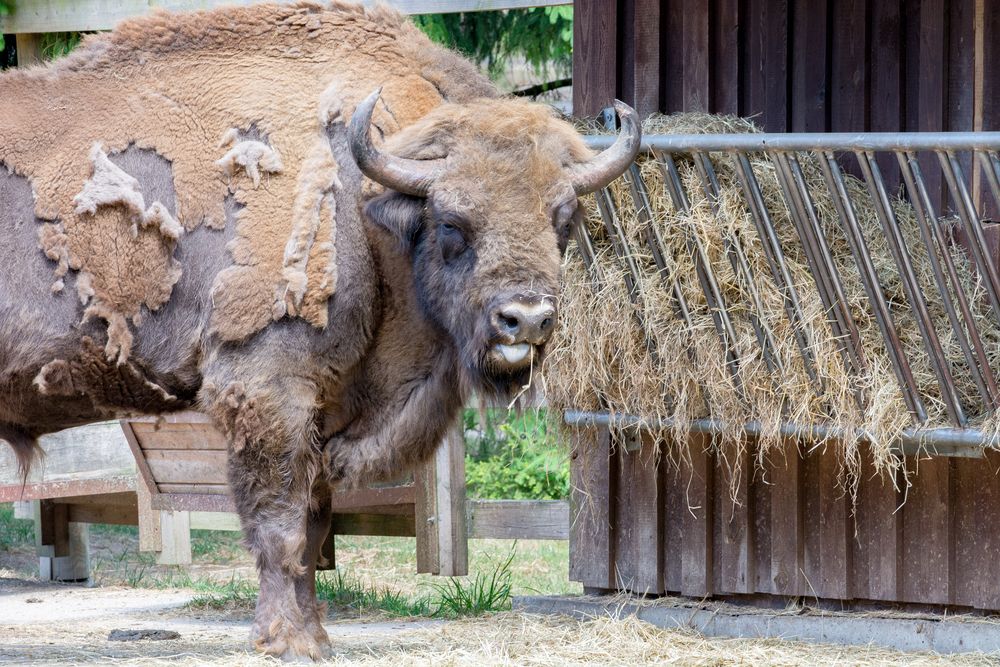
14 532
516 457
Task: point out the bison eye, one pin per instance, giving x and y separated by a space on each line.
452 241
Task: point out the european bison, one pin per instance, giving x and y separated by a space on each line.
185 221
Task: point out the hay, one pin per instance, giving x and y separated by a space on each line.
550 641
599 358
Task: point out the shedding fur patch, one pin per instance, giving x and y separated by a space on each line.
252 156
109 185
313 204
264 100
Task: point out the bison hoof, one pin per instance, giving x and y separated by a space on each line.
291 644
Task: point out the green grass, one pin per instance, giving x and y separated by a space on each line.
14 532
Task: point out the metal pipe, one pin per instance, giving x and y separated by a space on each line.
973 229
954 442
937 245
869 279
740 265
776 262
703 268
812 141
901 255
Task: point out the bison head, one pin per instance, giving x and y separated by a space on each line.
483 196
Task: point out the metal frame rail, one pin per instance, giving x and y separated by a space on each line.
956 154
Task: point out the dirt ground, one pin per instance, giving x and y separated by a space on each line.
52 624
62 624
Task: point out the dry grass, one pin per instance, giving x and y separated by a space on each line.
542 641
600 358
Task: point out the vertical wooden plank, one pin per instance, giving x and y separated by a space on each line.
696 55
826 556
926 533
724 56
696 550
990 65
453 540
732 546
848 70
175 531
931 88
638 519
808 38
51 528
640 55
764 67
675 509
150 536
591 541
976 566
885 71
672 56
29 49
594 56
760 492
784 474
875 544
961 63
425 522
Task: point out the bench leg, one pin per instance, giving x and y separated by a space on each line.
175 533
63 553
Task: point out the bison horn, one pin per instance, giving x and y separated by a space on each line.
412 177
602 169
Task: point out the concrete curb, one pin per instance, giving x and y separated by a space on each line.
939 634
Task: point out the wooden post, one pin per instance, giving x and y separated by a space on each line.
175 532
150 536
29 49
61 545
440 526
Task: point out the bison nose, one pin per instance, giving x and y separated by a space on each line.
526 320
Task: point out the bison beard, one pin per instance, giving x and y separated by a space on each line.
357 339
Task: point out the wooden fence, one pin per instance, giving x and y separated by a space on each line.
795 65
645 525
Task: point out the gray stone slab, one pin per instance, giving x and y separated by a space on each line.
941 634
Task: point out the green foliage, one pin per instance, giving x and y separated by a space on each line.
6 7
14 532
518 457
543 36
485 593
58 44
346 592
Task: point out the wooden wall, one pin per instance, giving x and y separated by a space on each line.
795 65
790 530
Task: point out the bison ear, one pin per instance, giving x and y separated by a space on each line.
400 215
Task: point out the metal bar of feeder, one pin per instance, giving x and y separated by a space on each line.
640 198
991 167
955 442
741 267
703 268
936 244
776 262
844 314
818 268
904 264
619 242
869 279
970 221
811 141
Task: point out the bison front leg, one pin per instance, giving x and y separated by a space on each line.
317 527
273 465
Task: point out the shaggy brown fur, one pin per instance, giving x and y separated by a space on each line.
167 219
180 84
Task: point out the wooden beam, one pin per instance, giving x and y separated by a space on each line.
29 49
175 530
392 525
595 77
36 16
518 519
